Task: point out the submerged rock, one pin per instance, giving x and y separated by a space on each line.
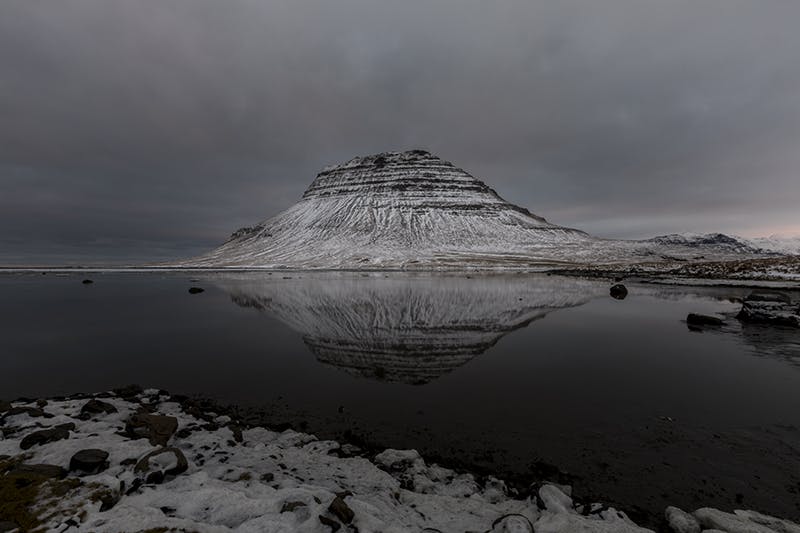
618 291
196 290
87 282
696 319
769 307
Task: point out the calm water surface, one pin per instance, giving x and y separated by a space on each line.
524 376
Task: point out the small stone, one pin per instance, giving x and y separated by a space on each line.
87 282
196 290
681 521
341 510
95 407
512 523
43 436
89 461
618 291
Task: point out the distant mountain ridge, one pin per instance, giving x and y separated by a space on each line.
760 245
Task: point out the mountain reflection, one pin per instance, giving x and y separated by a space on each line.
406 329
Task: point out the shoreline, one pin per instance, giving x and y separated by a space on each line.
273 479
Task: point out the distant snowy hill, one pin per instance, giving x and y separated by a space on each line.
413 210
731 243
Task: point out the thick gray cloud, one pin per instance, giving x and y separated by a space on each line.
146 129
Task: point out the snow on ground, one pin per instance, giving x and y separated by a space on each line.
175 467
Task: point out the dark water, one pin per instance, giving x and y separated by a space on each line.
524 376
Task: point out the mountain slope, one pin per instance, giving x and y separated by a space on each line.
395 209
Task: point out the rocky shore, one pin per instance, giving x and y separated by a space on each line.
143 460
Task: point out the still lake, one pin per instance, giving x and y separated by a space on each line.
524 376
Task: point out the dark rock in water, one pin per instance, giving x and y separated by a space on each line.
43 436
195 290
341 510
38 472
155 474
696 319
768 307
89 461
87 282
156 428
618 291
96 407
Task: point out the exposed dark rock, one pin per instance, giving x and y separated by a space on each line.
768 307
157 475
43 436
87 282
5 525
34 412
128 392
288 507
618 291
696 319
4 406
196 290
156 428
96 407
333 524
341 510
89 461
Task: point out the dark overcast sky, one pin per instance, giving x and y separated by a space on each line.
145 129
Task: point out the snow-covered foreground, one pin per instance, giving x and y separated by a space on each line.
145 461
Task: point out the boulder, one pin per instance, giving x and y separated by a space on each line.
96 407
43 436
87 282
160 463
715 519
4 406
768 307
156 428
196 290
89 461
512 523
681 521
618 291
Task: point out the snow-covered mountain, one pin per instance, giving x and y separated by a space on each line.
774 245
413 210
395 209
